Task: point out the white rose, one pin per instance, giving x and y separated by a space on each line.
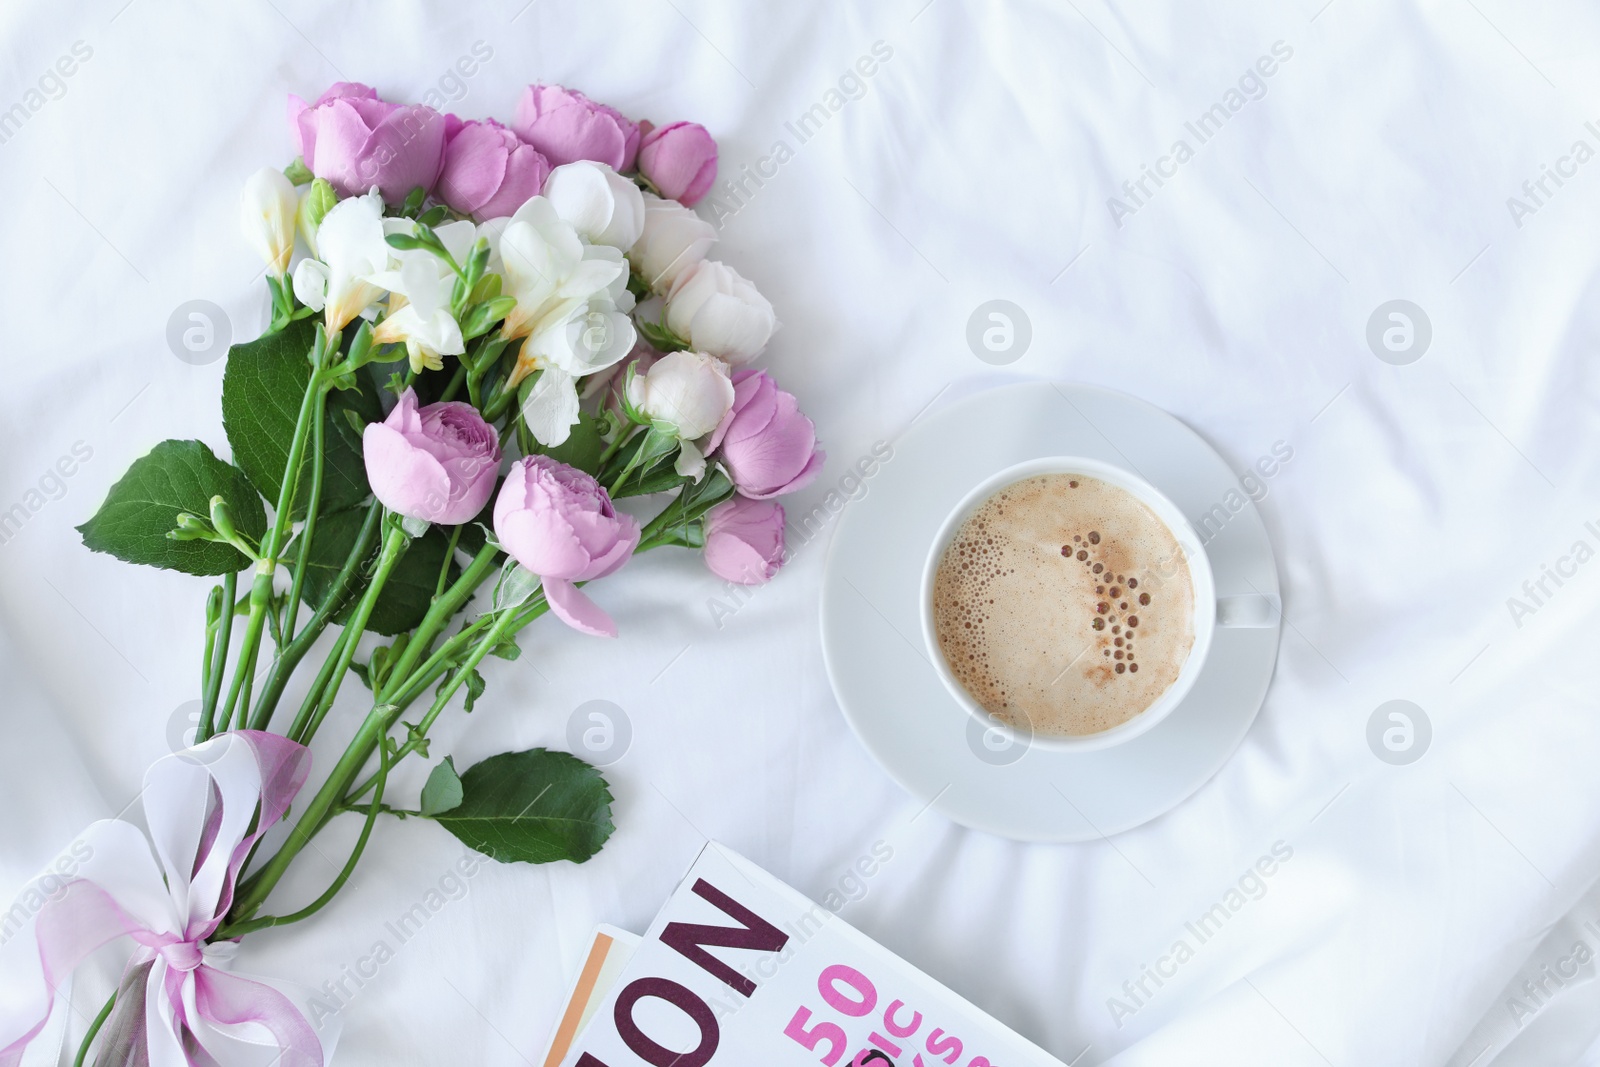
687 391
716 310
602 205
266 214
674 239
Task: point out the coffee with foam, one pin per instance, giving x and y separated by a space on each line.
1064 604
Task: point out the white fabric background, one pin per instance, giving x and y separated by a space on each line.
977 165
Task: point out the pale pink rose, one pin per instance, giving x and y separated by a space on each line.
356 141
489 171
437 464
567 126
559 523
768 447
680 159
744 540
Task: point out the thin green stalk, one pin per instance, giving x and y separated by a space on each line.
254 890
394 546
260 596
435 667
242 719
290 656
456 381
313 697
309 528
219 660
444 568
440 612
94 1031
272 544
624 434
233 930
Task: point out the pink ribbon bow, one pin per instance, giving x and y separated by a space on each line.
205 807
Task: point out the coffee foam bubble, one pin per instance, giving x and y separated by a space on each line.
1049 610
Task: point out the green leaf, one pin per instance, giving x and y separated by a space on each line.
175 477
536 807
297 172
584 446
442 791
261 395
475 687
660 337
407 594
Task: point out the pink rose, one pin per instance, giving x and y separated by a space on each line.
336 91
680 159
356 141
767 445
744 540
558 522
567 126
438 464
489 171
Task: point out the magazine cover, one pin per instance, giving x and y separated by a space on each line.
740 969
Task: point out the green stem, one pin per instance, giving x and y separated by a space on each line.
308 529
535 607
219 660
444 568
439 615
261 590
290 656
501 396
394 546
94 1031
242 718
456 380
260 597
254 890
624 433
319 685
234 930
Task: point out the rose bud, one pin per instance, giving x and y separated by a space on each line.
559 523
744 540
680 159
674 239
437 464
267 209
567 126
768 447
718 311
489 171
356 141
687 393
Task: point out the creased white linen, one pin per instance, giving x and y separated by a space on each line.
1375 163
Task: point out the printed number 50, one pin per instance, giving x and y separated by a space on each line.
810 1039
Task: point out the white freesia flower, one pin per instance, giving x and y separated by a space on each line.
549 271
602 205
266 214
571 312
674 239
717 310
688 393
597 336
424 283
352 249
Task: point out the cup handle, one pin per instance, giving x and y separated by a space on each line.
1247 611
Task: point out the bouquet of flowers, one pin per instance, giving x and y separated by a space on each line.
482 337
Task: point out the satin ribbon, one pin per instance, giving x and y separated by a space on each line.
205 807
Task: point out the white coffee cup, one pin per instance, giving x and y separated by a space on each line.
1209 612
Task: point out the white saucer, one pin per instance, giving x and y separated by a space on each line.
872 636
